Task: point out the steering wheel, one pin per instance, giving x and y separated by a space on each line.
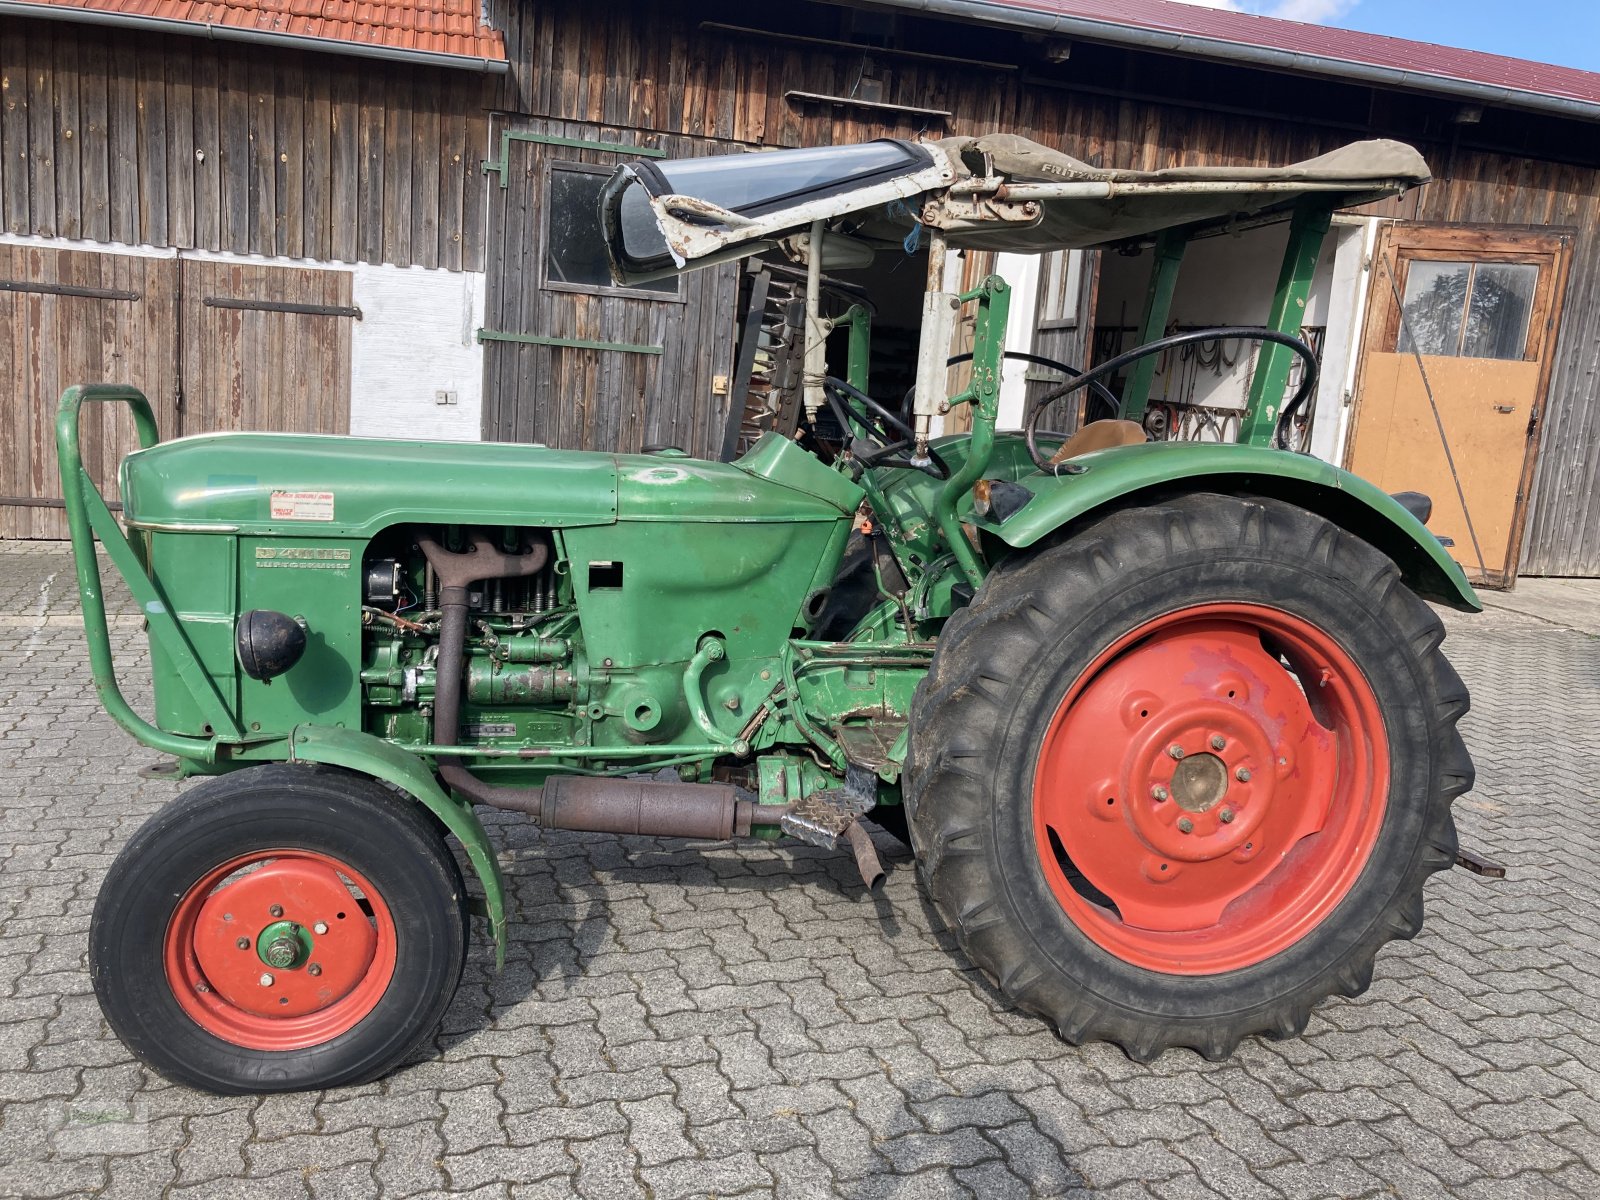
890 439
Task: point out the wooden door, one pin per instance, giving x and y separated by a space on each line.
75 316
1479 307
265 347
214 345
569 359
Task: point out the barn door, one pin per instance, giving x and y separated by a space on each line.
571 360
265 347
75 316
1481 307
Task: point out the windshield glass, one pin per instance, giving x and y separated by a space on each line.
755 184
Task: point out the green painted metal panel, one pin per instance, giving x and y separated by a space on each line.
301 485
357 751
507 136
648 591
1347 500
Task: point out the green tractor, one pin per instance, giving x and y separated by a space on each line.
1166 723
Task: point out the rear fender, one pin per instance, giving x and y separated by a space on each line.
384 761
1111 478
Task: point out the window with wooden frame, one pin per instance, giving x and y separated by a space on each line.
574 250
1060 287
1468 309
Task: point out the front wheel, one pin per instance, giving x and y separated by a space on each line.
278 929
1178 777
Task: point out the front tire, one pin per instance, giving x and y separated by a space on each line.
1177 778
281 928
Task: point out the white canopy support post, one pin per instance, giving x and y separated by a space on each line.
939 309
817 329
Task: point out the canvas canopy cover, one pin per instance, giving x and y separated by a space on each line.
992 192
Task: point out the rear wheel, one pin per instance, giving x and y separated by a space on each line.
1178 777
280 928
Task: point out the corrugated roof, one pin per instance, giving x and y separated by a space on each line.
434 27
1208 32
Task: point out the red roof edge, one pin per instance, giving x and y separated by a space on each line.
1166 26
444 33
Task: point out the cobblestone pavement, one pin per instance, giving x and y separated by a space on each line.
693 1021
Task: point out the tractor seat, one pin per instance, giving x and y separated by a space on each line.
1099 435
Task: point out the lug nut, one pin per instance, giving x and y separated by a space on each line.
243 943
1159 792
1226 816
266 980
276 910
320 928
314 969
1185 825
1242 774
1175 750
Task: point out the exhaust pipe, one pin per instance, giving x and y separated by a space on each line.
866 853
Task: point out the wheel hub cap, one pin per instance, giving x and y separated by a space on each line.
284 944
1200 783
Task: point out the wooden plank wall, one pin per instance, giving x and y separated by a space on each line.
260 369
111 136
642 67
597 399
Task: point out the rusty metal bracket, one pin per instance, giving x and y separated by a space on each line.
283 306
66 289
1487 868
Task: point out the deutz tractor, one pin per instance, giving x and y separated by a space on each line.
1166 723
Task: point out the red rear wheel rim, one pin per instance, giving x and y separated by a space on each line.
1211 788
229 943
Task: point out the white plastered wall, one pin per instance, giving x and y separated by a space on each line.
1021 271
415 339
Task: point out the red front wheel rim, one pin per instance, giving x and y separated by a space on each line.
1211 788
280 950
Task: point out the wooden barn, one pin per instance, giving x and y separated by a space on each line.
329 215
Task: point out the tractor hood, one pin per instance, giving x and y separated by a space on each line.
344 486
995 192
326 486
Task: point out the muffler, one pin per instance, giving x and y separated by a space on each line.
643 806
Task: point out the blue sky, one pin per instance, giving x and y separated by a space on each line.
1553 31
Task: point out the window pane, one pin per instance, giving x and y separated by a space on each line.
1062 277
1497 314
1436 299
576 251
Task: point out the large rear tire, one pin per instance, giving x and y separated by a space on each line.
1178 777
278 929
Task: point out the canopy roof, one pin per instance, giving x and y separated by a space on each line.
1139 203
994 192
